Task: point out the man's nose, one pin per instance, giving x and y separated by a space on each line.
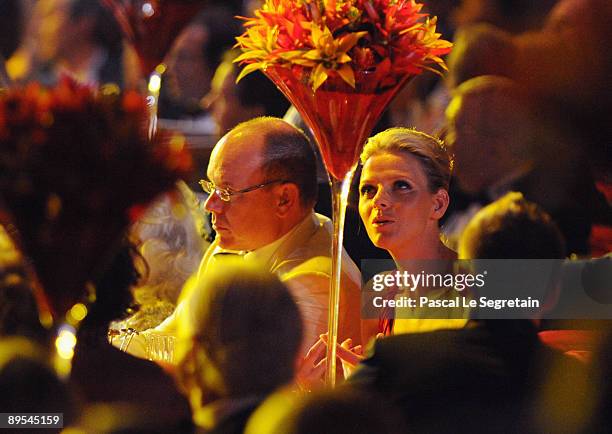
213 203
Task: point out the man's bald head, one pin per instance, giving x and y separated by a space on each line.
282 151
270 168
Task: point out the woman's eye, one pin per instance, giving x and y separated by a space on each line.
402 186
367 190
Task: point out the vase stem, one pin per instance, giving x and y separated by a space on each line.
339 192
153 87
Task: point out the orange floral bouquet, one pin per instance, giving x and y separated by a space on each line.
341 38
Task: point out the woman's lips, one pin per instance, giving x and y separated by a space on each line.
382 221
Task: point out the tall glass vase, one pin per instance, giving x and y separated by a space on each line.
341 118
151 26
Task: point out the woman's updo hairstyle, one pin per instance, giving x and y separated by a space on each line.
431 153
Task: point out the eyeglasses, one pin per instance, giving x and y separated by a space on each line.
225 194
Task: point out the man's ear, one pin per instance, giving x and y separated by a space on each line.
287 197
440 203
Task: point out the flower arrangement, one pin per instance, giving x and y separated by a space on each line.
152 25
75 167
342 38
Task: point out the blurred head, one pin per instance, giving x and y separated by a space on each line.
276 162
511 228
50 18
242 337
491 131
403 191
480 50
231 103
29 384
85 22
197 52
344 410
188 73
102 27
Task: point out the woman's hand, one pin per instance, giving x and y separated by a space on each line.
311 371
349 355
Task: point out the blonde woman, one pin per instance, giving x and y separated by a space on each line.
403 194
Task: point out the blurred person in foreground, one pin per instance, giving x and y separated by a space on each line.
262 186
240 344
30 385
338 411
480 378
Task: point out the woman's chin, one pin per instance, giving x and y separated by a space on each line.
383 241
